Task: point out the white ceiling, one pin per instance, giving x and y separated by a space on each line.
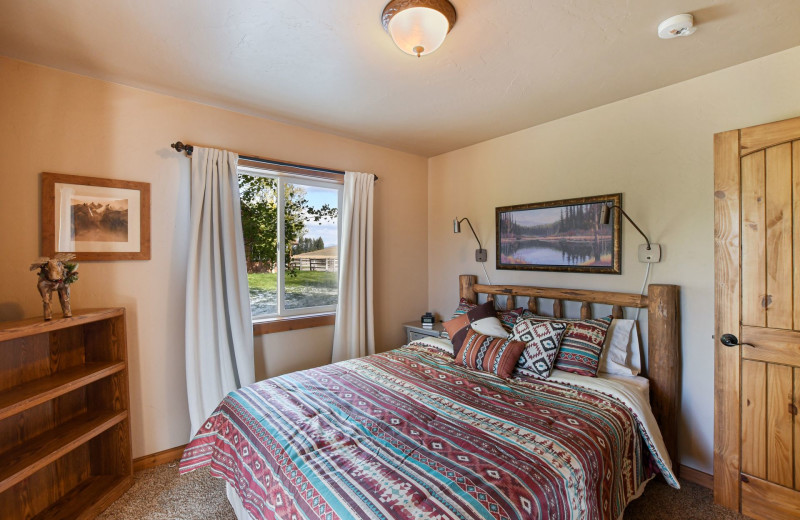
328 64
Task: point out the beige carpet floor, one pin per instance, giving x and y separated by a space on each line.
161 494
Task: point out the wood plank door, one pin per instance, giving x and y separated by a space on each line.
757 314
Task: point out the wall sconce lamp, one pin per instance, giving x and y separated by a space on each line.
648 253
480 254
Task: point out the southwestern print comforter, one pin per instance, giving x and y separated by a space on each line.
409 434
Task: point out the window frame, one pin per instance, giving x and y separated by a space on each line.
266 323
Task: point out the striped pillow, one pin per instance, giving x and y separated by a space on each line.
490 354
581 345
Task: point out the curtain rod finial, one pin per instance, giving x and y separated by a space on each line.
180 147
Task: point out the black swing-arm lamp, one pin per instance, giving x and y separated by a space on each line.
605 217
480 254
647 253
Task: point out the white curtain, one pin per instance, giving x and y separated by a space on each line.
354 333
219 328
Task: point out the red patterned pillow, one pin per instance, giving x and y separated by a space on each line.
507 318
490 354
581 345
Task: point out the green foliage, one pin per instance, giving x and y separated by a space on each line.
268 282
259 204
308 244
70 273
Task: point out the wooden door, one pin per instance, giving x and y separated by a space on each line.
757 302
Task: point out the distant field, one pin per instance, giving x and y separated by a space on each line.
305 289
269 281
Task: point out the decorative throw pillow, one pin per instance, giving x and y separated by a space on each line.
441 344
458 327
620 354
490 354
507 318
542 339
581 344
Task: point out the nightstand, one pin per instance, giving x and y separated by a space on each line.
414 330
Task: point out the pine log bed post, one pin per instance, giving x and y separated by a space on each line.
663 339
466 282
664 362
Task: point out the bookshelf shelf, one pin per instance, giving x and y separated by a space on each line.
64 418
32 393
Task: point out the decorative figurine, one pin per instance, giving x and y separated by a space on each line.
56 274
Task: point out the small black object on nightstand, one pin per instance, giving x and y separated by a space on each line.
427 321
415 330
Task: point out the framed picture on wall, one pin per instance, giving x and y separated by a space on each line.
94 218
560 235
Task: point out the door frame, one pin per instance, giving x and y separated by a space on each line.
727 312
729 148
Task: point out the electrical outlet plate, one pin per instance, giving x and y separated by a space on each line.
481 255
650 256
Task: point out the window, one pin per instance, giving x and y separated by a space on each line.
298 274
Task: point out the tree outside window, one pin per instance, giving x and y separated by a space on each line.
301 275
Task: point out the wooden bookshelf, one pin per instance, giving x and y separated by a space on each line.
28 395
65 449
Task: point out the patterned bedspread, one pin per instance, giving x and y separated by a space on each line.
409 434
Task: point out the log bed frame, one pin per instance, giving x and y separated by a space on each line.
663 338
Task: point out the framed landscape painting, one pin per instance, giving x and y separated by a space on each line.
560 235
96 219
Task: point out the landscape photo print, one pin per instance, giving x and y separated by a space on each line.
561 235
95 218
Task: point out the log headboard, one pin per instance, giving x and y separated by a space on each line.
663 337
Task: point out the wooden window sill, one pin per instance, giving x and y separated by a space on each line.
287 323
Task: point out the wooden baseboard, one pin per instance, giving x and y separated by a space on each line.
157 459
696 476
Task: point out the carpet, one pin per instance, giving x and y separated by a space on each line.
161 494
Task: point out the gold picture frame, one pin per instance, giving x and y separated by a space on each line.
560 236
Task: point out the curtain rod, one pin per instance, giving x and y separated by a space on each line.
188 148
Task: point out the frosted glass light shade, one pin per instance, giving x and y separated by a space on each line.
419 30
418 27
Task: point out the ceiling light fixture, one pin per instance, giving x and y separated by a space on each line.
676 26
418 27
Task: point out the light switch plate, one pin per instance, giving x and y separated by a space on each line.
481 255
649 256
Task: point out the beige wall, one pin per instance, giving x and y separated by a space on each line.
657 150
278 354
60 122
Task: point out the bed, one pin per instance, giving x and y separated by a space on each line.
410 434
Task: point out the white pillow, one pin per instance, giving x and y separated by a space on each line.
490 327
621 349
438 343
634 351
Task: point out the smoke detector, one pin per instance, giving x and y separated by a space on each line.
678 25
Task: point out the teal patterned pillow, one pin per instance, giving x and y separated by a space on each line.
581 345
